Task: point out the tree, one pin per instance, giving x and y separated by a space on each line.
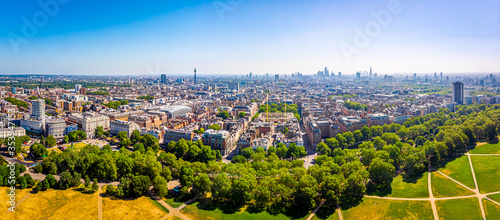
95 187
282 150
241 189
242 114
87 181
38 186
349 138
140 185
22 182
331 188
378 143
151 141
65 180
214 127
66 139
390 138
323 149
341 140
223 114
140 148
367 134
381 173
221 187
160 186
358 136
186 177
99 131
238 159
136 136
51 181
296 151
38 150
201 184
332 143
247 152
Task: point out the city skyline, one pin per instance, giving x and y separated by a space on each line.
228 38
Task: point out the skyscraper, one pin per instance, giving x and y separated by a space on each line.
38 108
441 76
77 88
327 73
358 75
458 92
163 78
195 76
370 71
276 78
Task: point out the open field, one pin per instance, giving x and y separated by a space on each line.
486 148
495 197
491 209
413 188
459 209
487 170
389 209
459 169
444 187
55 204
192 211
140 208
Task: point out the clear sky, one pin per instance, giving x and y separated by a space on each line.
242 36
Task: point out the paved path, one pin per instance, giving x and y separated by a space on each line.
431 195
171 210
479 196
340 213
316 209
99 203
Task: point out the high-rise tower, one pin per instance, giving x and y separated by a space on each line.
458 92
195 76
370 71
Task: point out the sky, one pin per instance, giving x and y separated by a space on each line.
235 37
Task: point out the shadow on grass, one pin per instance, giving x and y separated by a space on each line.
211 205
350 201
326 211
412 179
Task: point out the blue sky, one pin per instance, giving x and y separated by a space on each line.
242 36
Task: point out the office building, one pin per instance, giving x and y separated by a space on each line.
38 108
163 78
195 76
458 93
119 125
77 88
55 127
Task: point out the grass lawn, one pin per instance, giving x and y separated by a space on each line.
487 170
171 202
459 170
57 204
192 211
486 149
140 208
173 218
19 195
389 209
459 209
413 188
495 197
444 187
491 209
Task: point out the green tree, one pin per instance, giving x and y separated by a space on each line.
99 131
358 136
367 134
214 127
201 184
381 173
160 186
50 141
221 188
323 149
242 114
66 139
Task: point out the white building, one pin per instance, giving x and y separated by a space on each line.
8 132
119 125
